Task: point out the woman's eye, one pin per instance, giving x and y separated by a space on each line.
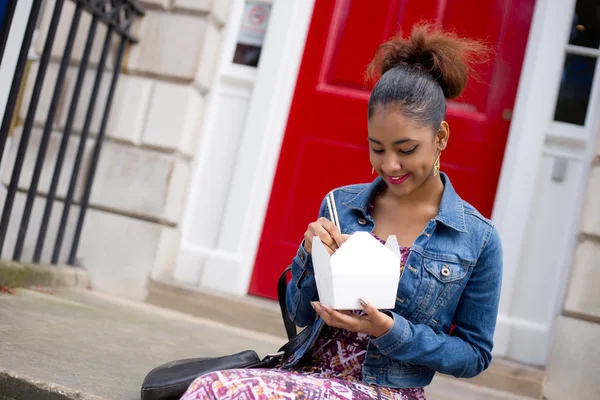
409 151
377 151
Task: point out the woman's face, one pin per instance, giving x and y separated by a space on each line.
402 151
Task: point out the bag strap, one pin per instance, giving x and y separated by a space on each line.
297 339
290 327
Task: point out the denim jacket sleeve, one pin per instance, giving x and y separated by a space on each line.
302 289
467 352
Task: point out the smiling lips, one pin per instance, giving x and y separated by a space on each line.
397 180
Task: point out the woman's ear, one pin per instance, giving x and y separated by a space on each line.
443 135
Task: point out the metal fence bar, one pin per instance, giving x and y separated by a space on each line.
33 103
13 95
39 245
118 16
81 149
37 170
96 154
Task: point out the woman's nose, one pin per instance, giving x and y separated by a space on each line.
391 165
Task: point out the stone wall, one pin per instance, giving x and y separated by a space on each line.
144 169
573 362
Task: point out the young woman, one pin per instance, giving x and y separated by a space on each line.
447 300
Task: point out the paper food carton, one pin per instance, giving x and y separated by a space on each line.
361 268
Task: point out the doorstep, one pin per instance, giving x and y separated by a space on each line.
244 312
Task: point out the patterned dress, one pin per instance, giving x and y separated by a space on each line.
331 370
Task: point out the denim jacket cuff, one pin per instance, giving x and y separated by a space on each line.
303 259
395 337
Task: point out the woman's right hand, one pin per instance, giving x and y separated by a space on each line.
327 231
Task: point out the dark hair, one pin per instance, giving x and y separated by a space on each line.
418 73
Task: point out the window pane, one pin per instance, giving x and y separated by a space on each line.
575 88
585 30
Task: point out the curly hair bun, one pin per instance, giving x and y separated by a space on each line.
445 56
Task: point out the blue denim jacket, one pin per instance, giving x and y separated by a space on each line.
428 301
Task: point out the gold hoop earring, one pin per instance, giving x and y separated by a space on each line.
436 165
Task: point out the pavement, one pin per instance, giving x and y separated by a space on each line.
80 344
99 346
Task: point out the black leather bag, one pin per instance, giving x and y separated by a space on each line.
170 381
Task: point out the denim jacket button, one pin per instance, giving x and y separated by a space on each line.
445 271
362 221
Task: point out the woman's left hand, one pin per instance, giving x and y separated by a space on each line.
373 323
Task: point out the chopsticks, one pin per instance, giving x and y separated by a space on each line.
333 210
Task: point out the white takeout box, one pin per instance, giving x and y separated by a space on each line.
361 268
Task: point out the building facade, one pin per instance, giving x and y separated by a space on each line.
142 177
211 168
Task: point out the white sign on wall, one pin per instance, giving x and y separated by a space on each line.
254 23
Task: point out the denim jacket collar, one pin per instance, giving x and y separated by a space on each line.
451 212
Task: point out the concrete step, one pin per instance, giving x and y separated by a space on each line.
448 388
244 312
512 377
21 274
80 344
502 378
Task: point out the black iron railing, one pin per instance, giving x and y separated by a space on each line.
118 16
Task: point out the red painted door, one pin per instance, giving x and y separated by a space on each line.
325 142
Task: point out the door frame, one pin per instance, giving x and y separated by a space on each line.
227 264
272 96
516 337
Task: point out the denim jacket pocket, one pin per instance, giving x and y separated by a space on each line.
446 272
445 279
